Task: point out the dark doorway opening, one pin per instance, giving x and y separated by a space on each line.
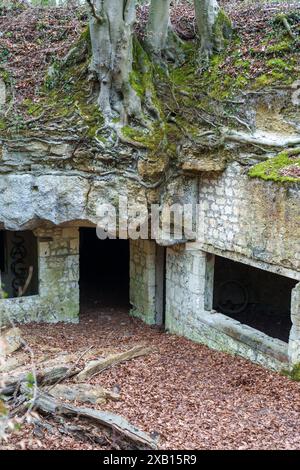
104 273
252 296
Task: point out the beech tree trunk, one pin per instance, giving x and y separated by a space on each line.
207 12
161 41
157 26
111 27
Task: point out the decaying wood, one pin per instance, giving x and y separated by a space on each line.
94 367
134 438
16 368
13 363
45 377
84 393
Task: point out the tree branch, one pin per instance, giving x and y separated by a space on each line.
93 11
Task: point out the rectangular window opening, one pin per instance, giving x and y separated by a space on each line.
254 297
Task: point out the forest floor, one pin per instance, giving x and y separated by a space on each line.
193 397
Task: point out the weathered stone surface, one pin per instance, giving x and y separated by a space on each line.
294 341
142 279
204 165
254 218
13 362
152 169
58 298
10 341
26 200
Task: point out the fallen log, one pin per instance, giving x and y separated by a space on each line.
13 363
84 393
45 377
94 367
121 428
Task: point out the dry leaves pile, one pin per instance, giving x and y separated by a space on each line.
192 397
32 38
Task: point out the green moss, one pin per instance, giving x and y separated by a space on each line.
142 76
279 71
151 139
66 91
265 80
3 124
4 74
280 48
222 29
242 64
279 65
272 169
32 108
90 114
222 86
293 374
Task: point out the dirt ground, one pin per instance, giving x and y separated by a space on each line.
194 398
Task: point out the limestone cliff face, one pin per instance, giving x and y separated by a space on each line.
58 161
53 179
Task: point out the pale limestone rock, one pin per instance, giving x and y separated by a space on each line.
10 341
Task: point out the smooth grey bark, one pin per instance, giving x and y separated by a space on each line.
207 12
111 26
157 26
161 41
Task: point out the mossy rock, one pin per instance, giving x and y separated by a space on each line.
153 169
281 168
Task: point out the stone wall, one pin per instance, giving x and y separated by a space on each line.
142 280
294 342
250 217
58 273
185 283
188 305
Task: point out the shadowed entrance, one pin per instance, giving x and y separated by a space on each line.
104 273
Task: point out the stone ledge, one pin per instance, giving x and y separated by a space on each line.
245 334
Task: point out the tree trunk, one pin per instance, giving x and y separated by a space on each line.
161 41
157 26
111 26
212 24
